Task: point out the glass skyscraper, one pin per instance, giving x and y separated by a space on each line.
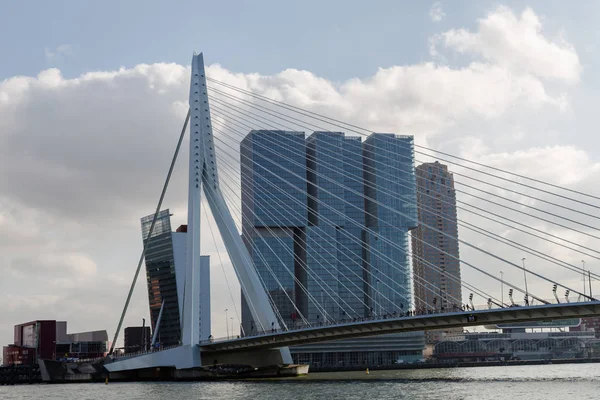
160 276
274 217
391 211
165 274
326 218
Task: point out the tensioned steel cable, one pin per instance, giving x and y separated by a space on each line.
275 200
464 283
142 256
262 109
276 311
354 222
464 242
237 314
272 233
473 206
306 291
497 237
312 114
279 189
520 183
401 295
491 213
266 263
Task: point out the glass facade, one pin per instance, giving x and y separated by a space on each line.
274 159
274 216
160 276
391 211
303 206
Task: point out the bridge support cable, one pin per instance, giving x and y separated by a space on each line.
212 234
333 297
520 176
275 310
391 243
150 231
497 215
284 193
383 256
378 293
307 268
266 264
253 106
337 212
304 266
287 118
258 253
363 131
481 215
233 108
494 256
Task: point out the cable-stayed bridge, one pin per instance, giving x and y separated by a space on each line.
335 237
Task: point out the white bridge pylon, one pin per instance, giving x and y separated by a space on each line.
204 178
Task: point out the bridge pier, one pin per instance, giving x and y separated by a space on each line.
255 358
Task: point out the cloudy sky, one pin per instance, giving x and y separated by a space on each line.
92 98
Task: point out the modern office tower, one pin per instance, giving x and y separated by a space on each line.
391 211
304 223
274 217
303 213
304 220
435 242
334 250
165 274
160 273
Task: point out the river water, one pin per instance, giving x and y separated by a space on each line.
570 381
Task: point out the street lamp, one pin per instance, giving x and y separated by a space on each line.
226 323
232 334
525 277
502 287
583 267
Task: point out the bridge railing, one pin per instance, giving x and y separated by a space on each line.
394 315
141 352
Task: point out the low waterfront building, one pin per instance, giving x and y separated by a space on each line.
492 346
368 351
49 340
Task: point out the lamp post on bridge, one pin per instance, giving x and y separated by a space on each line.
232 334
525 278
502 287
379 300
583 268
227 322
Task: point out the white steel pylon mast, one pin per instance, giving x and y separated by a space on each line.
203 176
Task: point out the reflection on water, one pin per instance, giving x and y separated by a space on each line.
574 381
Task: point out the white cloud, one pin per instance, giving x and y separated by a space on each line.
517 43
82 159
436 13
60 51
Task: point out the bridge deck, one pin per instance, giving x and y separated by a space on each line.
405 324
